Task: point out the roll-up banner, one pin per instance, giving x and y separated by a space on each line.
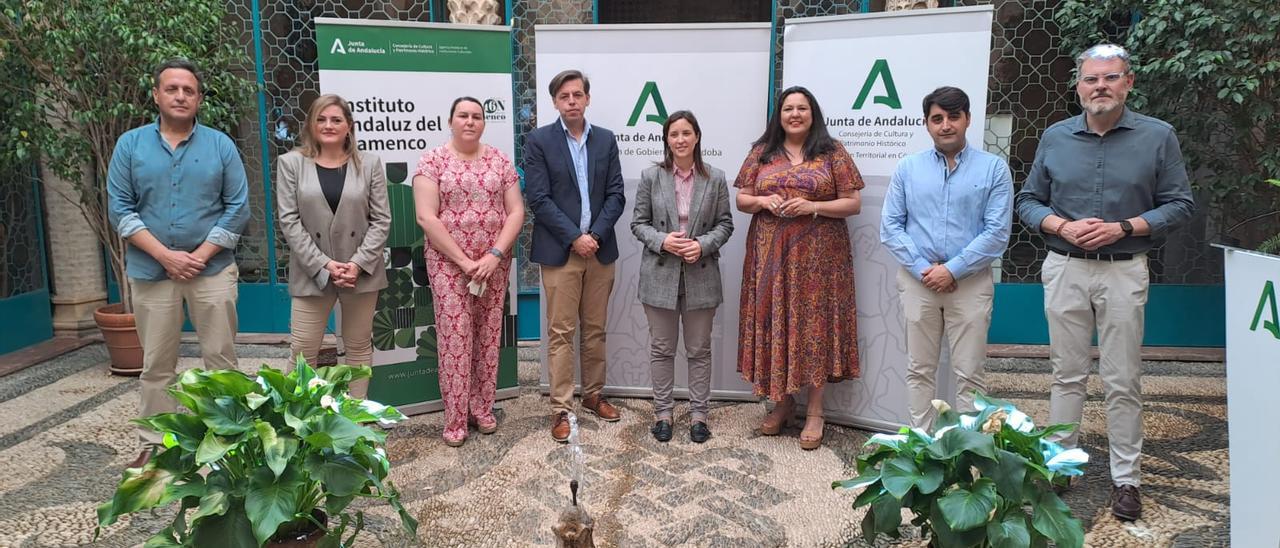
401 78
639 74
869 73
1253 379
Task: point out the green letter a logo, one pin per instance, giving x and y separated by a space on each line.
337 47
650 90
1268 298
879 71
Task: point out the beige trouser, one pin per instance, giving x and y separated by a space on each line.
576 292
1079 295
310 317
964 315
664 333
157 310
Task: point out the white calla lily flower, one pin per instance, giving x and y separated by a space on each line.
1020 422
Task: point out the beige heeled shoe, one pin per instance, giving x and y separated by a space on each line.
811 444
774 422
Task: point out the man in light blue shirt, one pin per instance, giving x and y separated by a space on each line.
946 218
177 193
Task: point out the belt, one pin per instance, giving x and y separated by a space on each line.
1096 256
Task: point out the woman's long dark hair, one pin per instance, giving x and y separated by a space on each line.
817 142
668 159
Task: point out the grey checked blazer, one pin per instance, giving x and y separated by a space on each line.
710 222
357 232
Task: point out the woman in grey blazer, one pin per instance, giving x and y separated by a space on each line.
681 218
332 202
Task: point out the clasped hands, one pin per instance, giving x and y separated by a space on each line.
788 207
938 278
1090 234
687 249
585 246
343 274
181 265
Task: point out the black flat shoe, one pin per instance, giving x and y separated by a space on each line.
661 431
698 432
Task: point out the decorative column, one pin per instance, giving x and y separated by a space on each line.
76 272
474 12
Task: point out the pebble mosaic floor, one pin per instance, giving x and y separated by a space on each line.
64 438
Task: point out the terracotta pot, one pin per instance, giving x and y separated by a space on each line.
310 539
121 335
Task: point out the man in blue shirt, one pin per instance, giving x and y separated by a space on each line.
1106 186
573 184
177 193
946 218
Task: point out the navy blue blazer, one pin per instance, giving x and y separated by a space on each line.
551 190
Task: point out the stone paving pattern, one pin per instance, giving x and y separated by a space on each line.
65 436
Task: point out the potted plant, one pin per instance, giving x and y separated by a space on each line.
985 478
270 458
85 70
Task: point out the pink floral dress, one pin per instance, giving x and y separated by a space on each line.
468 328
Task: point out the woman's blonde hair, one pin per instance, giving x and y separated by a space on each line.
307 144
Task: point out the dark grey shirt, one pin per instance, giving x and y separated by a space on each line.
1136 169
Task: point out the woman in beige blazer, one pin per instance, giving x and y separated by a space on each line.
681 218
332 201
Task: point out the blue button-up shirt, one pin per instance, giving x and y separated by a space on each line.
958 217
578 151
1135 170
185 196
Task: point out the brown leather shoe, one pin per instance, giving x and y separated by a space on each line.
596 403
560 427
1126 502
141 460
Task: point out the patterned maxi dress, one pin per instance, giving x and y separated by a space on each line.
469 328
798 324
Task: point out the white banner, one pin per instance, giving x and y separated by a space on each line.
638 75
1253 380
870 73
401 78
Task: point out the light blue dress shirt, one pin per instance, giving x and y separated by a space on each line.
185 196
578 151
958 217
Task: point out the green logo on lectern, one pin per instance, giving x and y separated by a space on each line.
1267 300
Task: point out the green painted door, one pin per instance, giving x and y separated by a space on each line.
26 315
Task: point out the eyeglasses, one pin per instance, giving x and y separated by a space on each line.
1110 78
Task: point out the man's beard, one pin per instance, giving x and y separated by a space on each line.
1097 108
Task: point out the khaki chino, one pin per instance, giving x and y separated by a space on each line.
310 318
157 309
964 315
577 291
1111 296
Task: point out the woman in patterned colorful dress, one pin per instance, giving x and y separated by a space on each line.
469 206
798 326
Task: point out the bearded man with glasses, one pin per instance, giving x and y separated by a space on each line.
1106 186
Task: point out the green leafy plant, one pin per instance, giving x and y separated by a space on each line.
984 478
263 457
1212 69
1272 244
82 72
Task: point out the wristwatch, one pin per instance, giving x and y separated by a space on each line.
495 252
1127 227
594 236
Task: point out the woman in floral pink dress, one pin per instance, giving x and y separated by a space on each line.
469 206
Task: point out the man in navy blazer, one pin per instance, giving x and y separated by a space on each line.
573 184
